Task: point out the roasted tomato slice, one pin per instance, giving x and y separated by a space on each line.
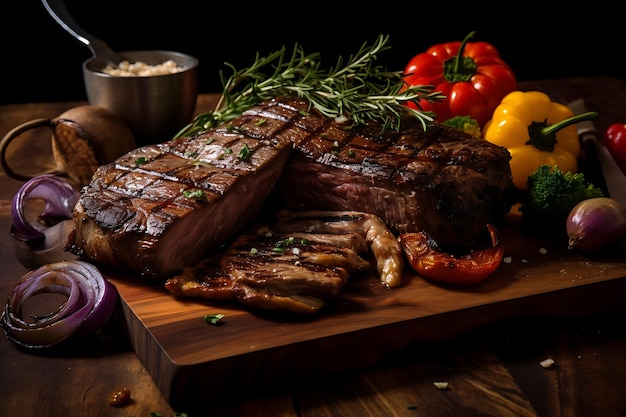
427 260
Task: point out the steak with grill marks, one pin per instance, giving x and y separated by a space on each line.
161 207
440 180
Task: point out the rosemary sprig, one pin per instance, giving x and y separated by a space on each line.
358 89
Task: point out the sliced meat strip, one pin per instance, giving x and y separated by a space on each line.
383 244
296 272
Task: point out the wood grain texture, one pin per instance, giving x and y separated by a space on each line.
408 389
589 373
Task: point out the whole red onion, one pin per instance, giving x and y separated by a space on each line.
595 223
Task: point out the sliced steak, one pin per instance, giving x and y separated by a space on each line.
298 272
161 207
383 244
440 180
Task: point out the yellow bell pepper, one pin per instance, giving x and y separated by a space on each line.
536 131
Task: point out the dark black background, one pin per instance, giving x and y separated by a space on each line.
41 62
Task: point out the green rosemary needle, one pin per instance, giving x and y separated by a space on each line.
358 88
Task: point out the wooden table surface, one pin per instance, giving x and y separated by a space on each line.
493 370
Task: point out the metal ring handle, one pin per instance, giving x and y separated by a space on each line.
8 138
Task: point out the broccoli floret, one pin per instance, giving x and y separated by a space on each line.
465 124
552 194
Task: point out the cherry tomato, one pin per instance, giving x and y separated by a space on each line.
615 142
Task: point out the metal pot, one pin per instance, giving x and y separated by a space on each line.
155 107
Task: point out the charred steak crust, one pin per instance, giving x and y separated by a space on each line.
440 180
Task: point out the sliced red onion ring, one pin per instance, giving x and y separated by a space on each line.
59 198
90 301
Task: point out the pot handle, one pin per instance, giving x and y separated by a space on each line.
10 136
58 10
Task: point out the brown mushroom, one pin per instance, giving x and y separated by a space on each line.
86 137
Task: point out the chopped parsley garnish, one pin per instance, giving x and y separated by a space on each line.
213 319
281 245
244 153
141 160
197 194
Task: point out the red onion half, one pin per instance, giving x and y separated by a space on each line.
59 198
595 223
89 302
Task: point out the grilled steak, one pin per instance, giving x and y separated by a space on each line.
162 207
441 181
298 265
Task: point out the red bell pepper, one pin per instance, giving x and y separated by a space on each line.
471 269
615 142
471 75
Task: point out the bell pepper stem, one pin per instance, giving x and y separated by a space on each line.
549 130
459 55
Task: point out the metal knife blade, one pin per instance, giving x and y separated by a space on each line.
614 178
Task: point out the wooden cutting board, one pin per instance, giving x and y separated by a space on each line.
191 360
